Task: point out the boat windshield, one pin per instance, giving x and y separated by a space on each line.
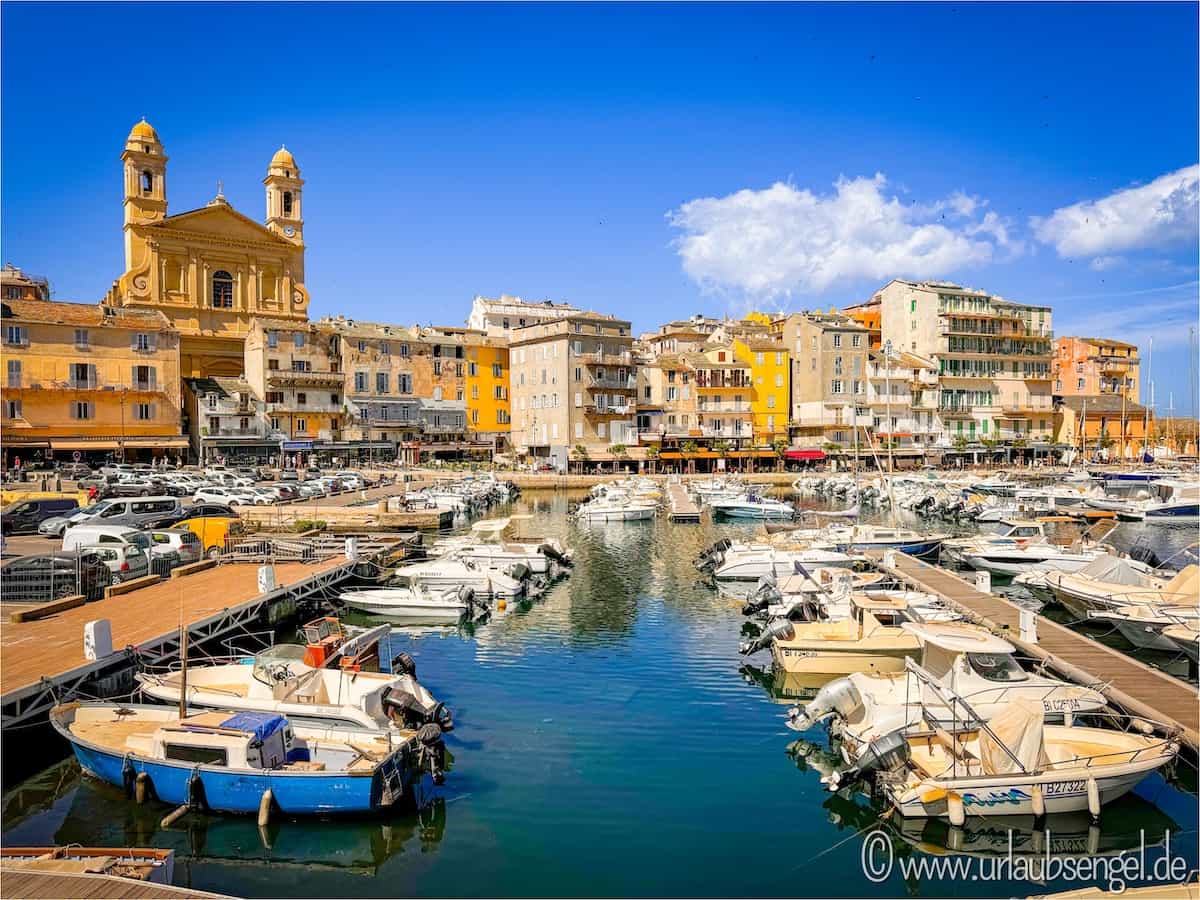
279 663
996 667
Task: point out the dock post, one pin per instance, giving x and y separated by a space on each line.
1028 626
97 639
983 582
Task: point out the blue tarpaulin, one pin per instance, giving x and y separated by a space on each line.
261 725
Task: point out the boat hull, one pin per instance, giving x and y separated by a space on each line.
825 660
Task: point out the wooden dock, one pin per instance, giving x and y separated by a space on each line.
683 507
1134 686
28 884
45 658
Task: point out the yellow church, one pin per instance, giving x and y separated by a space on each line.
210 270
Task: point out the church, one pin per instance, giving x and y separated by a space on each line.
210 270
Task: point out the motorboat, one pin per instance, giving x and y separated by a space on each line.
414 604
485 545
1145 475
1017 559
807 595
1110 582
1165 502
861 538
283 680
1011 764
148 865
616 509
247 762
861 642
1186 637
750 562
752 506
1143 624
448 573
966 660
1014 533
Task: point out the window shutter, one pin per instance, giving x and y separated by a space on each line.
133 379
91 375
153 378
133 341
153 411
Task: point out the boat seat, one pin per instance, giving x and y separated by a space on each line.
305 766
311 689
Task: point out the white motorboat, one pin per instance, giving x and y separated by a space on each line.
1015 533
412 604
966 659
1186 638
486 546
609 509
448 573
1016 560
1011 764
1165 502
752 506
1110 581
281 680
754 561
1143 624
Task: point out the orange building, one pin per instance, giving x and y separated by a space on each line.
870 316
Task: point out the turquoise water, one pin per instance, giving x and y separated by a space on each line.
609 741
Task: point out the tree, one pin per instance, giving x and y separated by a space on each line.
990 444
779 445
580 452
831 447
960 443
688 448
652 453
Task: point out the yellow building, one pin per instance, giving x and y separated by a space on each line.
770 371
81 377
296 369
489 415
210 270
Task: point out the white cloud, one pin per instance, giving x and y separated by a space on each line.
1164 212
772 242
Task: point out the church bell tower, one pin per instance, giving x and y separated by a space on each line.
145 181
283 182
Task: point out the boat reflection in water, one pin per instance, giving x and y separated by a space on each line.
785 687
75 810
1059 836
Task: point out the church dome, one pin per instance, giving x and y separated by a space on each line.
283 159
143 131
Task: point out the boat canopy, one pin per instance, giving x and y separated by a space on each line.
1014 739
1113 570
958 638
1186 582
261 725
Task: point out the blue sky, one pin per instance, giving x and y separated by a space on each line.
649 161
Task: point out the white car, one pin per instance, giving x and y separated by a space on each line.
262 496
179 540
225 495
352 480
311 489
125 561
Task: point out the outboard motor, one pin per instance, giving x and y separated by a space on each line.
764 594
550 552
839 697
711 558
431 751
409 704
519 571
780 629
881 755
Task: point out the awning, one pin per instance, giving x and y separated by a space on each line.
117 443
25 443
156 442
297 445
804 454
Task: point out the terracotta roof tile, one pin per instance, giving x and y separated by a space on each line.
54 312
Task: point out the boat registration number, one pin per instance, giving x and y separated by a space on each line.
799 654
1064 788
1060 705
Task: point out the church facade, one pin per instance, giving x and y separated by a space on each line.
211 270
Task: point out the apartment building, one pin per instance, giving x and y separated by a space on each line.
902 396
829 355
993 357
17 285
680 336
80 378
666 401
770 377
870 316
1093 367
724 388
501 316
227 421
296 369
573 382
489 415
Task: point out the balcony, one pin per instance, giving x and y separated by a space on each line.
209 433
593 410
731 433
613 383
304 379
605 359
723 409
291 406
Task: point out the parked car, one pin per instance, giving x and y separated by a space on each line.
51 576
226 495
74 470
127 511
125 562
352 480
56 525
289 475
180 541
131 486
24 516
312 489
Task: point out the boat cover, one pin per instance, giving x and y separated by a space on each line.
1112 570
1186 583
1019 728
261 725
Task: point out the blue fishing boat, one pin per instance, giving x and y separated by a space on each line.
247 762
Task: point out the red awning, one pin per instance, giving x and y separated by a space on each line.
804 454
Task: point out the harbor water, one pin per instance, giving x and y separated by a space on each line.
609 740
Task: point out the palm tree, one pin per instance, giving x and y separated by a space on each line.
580 452
687 448
652 456
779 445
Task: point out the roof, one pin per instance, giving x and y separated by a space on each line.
284 159
1103 403
221 385
54 312
958 638
1108 341
144 129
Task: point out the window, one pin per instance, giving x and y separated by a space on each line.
81 410
287 203
437 393
83 375
856 340
142 342
779 380
837 341
301 426
298 339
272 365
14 334
274 423
222 290
836 386
385 348
301 398
360 382
274 396
272 339
381 382
301 365
497 370
404 383
458 370
143 412
147 182
437 367
144 378
12 409
82 338
758 359
14 373
1079 385
334 399
404 350
771 401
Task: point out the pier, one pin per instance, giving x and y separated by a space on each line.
1129 684
44 659
683 507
